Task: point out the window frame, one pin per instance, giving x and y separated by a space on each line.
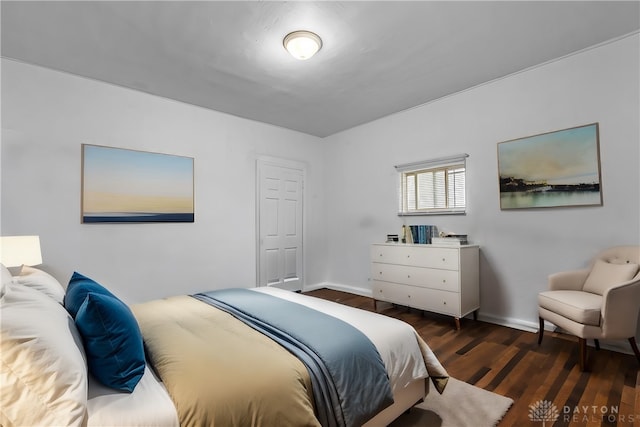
446 164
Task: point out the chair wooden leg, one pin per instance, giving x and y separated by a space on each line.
541 330
582 353
597 342
634 346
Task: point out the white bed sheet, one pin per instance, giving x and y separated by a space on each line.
148 405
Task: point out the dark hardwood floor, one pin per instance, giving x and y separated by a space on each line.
509 362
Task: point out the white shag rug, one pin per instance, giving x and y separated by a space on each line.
460 405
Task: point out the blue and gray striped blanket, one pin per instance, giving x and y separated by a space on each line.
350 382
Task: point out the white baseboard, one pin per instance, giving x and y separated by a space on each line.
510 322
621 346
340 287
314 287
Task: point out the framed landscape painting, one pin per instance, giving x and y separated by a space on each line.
120 186
554 169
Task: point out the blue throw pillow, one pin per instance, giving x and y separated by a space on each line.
77 290
112 341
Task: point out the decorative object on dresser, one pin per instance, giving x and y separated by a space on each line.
441 279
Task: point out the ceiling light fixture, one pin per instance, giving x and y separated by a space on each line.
302 44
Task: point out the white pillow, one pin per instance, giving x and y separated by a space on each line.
5 279
603 275
43 370
42 281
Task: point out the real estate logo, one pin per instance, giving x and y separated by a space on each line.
544 411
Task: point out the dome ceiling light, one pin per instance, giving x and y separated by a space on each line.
302 44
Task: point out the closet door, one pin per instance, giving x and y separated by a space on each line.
280 213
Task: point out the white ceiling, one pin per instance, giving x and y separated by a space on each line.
378 57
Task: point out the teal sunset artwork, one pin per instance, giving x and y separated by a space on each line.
121 185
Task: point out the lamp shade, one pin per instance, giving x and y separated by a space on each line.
20 250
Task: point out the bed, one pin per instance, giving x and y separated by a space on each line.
239 386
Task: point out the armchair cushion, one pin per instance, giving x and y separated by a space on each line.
568 280
603 275
581 307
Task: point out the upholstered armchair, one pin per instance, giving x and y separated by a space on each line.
599 302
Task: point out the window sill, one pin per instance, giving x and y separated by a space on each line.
444 212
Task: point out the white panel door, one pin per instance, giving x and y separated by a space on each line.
280 204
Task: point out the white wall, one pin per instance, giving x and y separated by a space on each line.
519 248
351 183
47 115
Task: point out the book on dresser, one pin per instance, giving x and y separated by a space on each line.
421 234
438 278
450 240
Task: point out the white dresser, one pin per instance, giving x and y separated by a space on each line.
441 279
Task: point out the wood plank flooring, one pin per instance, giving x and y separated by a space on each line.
509 362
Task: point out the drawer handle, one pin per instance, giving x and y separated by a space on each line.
443 259
408 276
445 303
444 280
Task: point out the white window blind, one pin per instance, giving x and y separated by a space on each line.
434 186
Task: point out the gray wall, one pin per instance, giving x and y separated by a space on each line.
519 249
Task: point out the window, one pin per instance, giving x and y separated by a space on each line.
433 187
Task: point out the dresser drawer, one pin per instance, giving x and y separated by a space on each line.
391 292
436 300
417 276
421 298
418 256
